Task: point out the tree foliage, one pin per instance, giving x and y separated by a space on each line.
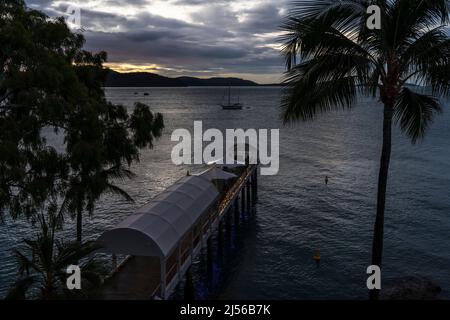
332 56
48 81
43 266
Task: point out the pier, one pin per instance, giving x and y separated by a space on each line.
163 238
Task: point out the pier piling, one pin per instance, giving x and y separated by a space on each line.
249 202
243 207
236 211
209 256
189 288
228 222
220 238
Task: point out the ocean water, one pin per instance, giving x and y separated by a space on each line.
270 256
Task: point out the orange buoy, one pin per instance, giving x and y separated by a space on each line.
317 256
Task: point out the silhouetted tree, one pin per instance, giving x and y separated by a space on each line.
48 81
332 56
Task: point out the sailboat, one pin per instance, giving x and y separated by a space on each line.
229 105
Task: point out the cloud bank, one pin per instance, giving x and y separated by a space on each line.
183 37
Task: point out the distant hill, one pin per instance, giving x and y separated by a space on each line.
197 82
145 79
140 79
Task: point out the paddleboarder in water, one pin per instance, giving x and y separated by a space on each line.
326 180
317 257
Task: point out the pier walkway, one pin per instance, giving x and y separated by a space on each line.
161 249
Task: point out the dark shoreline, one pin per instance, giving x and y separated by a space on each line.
147 80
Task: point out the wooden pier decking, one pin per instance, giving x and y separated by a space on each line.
139 277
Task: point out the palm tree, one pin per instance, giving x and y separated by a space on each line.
85 190
43 269
332 56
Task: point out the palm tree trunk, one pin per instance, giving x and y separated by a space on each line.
377 246
79 223
47 290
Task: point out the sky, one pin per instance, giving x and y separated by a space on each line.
201 38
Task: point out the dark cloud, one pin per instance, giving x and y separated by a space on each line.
266 18
218 36
199 2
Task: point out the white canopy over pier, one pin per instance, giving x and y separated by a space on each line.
158 227
216 173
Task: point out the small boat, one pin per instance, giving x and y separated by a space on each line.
146 94
231 106
235 106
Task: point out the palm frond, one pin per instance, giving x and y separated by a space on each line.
315 27
434 41
302 101
25 264
426 61
346 15
325 83
72 252
20 288
119 192
118 172
414 112
408 18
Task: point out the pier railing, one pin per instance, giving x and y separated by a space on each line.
235 190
